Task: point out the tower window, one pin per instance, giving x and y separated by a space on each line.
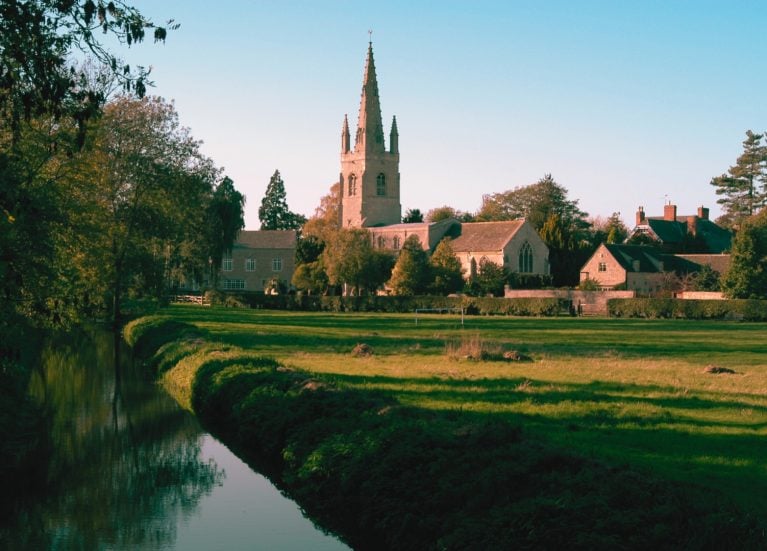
526 259
381 184
352 184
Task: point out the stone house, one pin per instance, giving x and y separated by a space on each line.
644 268
693 233
514 245
257 258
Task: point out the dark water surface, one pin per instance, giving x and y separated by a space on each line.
129 469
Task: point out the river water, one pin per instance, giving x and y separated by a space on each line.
130 469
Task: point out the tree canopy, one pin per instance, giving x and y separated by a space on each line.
743 189
747 275
274 212
447 273
412 216
411 274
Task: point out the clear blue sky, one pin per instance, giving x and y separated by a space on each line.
624 103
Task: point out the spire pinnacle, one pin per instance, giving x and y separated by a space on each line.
345 138
370 135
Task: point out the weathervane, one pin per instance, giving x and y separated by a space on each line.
370 36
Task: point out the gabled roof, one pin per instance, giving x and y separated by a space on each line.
266 239
674 232
485 236
650 259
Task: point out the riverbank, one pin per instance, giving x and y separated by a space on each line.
386 474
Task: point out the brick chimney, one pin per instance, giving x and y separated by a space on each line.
703 213
669 212
640 217
692 225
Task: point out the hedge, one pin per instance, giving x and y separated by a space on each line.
745 310
398 304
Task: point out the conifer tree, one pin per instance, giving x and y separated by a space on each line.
743 189
747 275
274 212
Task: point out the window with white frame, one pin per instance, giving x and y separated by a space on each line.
226 263
602 267
233 284
277 264
250 264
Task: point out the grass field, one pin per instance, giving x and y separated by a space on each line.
623 391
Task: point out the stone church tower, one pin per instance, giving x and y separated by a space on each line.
369 174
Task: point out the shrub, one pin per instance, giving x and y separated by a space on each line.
746 310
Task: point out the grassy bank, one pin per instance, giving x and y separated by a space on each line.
612 437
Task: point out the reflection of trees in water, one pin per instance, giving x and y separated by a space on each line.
127 459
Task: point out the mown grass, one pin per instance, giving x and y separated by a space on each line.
612 438
624 391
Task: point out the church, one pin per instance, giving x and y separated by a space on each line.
370 198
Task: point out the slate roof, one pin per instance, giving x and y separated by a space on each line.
653 260
719 262
674 232
485 236
266 239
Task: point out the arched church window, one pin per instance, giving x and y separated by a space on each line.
526 258
352 184
381 184
395 242
381 242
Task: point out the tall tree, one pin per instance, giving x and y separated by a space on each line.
743 189
447 273
274 212
747 275
223 221
412 273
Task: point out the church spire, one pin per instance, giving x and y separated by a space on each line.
345 138
370 136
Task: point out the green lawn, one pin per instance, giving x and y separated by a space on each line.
623 391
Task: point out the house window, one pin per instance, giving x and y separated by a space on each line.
526 259
226 264
395 242
381 184
233 284
352 184
602 267
250 264
277 264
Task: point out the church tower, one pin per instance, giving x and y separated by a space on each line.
369 174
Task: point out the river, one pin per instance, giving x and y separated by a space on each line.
130 469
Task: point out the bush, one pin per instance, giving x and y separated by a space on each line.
148 334
746 310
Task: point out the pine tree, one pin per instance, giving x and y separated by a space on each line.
747 275
744 187
274 212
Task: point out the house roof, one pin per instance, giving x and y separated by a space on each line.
674 232
653 260
485 236
650 258
266 239
718 262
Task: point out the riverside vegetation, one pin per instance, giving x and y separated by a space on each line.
613 436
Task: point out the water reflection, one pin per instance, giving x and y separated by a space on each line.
126 461
129 469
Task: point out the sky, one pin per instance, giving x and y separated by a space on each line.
623 103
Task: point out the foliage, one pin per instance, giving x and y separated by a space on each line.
705 279
489 280
412 271
445 213
611 230
589 284
224 220
326 218
412 216
447 273
36 39
274 212
743 189
350 260
310 277
655 308
747 275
